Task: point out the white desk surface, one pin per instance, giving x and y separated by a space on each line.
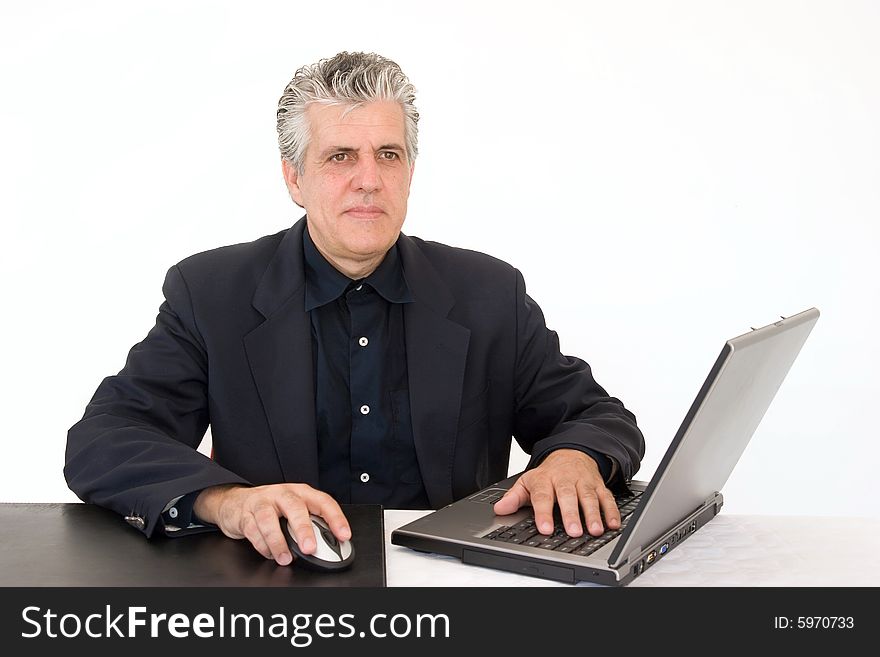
731 550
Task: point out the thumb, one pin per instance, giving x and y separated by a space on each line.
512 500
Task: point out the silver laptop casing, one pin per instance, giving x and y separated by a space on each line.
682 496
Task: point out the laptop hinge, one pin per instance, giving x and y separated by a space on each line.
632 556
715 499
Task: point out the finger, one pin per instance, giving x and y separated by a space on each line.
325 506
590 506
569 508
513 499
300 525
609 508
266 517
542 498
252 533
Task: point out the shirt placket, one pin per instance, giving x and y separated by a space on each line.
365 390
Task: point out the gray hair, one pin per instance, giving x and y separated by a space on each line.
347 79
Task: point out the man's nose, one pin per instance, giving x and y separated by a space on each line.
367 175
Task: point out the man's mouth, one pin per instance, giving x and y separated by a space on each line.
365 212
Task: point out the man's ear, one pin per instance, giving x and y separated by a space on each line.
291 179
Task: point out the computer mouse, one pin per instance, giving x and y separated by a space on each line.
331 554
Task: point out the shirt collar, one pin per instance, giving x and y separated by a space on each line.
325 283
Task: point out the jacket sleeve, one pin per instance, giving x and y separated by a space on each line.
135 448
559 404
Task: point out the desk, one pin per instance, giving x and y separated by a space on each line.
81 545
731 550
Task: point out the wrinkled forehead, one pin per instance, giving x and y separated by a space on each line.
356 126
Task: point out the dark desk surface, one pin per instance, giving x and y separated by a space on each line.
84 545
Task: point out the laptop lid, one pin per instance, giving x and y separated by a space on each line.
714 433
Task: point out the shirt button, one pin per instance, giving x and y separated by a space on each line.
363 342
358 288
365 477
172 512
365 409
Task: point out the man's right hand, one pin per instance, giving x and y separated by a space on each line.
253 513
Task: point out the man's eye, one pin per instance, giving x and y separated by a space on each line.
339 157
388 155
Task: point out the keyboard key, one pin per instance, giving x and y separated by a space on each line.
524 525
526 534
494 533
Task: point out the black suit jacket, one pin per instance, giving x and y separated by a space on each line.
232 347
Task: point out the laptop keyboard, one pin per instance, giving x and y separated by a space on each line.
525 532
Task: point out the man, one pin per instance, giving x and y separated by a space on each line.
342 361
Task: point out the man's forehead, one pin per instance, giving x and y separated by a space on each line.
382 119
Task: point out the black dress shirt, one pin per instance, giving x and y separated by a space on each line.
366 453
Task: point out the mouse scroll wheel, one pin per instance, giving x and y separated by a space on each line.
329 537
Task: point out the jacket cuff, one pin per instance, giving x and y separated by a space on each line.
178 518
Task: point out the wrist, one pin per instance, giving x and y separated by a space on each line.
207 504
604 465
567 453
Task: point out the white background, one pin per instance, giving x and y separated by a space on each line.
665 175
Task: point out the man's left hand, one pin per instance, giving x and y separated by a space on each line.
571 479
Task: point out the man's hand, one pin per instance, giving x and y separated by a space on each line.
253 513
571 478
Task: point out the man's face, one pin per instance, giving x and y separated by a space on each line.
355 180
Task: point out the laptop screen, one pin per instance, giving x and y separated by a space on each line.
717 428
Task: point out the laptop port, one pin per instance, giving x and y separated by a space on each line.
664 549
651 557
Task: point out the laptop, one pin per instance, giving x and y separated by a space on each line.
657 516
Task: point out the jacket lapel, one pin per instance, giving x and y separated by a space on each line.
279 352
436 352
